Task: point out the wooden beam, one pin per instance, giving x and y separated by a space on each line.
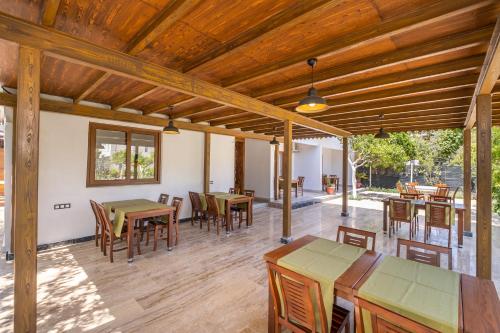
276 172
129 100
74 50
419 18
206 163
93 112
49 12
467 180
26 192
345 177
484 197
287 184
490 72
173 12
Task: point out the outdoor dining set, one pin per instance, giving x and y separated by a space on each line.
136 219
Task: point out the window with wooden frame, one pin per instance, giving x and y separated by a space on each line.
119 155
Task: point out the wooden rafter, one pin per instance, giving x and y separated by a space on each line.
49 12
490 72
68 48
165 19
127 101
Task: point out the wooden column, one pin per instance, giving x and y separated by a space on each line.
287 184
206 164
467 182
276 171
345 176
483 219
26 191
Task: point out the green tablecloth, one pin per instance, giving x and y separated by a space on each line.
424 293
324 261
121 208
221 200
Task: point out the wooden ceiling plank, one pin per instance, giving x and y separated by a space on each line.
125 102
426 15
100 113
68 48
489 74
455 120
410 128
49 13
164 20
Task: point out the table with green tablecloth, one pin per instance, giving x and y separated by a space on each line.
226 200
423 293
134 210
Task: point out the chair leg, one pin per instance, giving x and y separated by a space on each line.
96 235
138 243
111 241
192 217
216 220
155 241
148 231
104 245
176 233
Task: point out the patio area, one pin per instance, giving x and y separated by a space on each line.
207 284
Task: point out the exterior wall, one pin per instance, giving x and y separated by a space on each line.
259 162
307 163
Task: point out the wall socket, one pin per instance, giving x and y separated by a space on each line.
62 206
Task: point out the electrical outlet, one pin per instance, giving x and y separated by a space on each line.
62 206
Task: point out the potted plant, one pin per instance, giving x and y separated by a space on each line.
330 189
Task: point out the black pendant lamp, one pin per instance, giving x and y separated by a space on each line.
381 134
312 103
274 142
170 128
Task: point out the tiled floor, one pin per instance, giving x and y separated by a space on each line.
206 284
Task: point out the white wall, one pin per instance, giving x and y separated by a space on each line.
307 163
6 242
221 163
259 167
332 164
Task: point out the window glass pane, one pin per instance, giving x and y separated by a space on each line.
142 163
110 155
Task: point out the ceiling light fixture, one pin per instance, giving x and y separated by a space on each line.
381 134
312 103
170 128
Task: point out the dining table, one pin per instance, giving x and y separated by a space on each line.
445 299
420 205
294 183
227 200
134 211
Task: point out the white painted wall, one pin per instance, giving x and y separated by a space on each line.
259 167
307 163
221 163
6 241
332 164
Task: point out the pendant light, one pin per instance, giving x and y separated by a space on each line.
170 128
274 142
312 103
381 134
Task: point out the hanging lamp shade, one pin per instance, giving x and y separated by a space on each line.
170 128
274 141
312 103
381 134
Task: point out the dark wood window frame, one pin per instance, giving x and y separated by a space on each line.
91 162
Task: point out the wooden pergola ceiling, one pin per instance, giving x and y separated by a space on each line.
417 63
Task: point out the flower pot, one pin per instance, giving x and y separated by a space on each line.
330 190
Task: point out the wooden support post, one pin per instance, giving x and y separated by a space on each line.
26 191
345 176
467 182
287 184
276 172
484 198
206 164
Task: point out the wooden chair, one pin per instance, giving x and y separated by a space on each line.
293 303
400 187
400 210
300 184
427 253
163 199
324 182
99 228
437 215
239 211
197 211
411 188
234 190
110 238
409 196
213 212
439 198
161 224
356 237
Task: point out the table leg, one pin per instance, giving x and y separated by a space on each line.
130 240
251 212
460 227
296 191
228 215
170 231
385 217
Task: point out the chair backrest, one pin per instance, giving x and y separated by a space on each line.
438 214
177 203
442 191
400 209
413 183
410 196
439 198
249 193
425 253
105 221
400 187
293 300
96 213
163 198
195 201
410 188
301 180
356 237
212 205
234 190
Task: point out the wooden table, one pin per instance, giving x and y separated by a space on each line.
235 201
294 183
344 285
479 306
420 204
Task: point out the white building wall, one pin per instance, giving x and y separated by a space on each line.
221 163
259 167
307 163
